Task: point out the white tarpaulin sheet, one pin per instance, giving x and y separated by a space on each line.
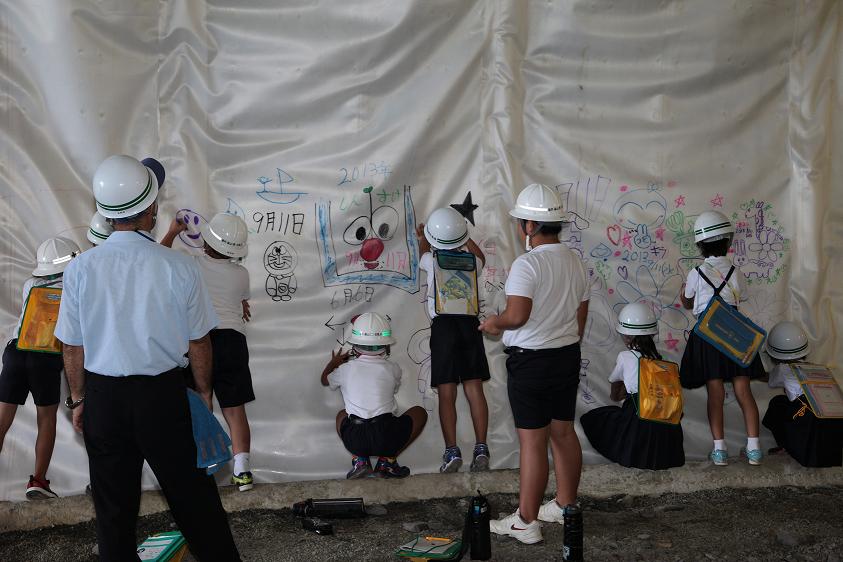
641 113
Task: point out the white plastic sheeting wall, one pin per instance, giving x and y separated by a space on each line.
642 114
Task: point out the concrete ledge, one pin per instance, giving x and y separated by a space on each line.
598 481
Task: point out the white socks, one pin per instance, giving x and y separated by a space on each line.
752 443
719 444
241 463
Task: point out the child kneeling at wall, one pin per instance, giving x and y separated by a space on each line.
368 382
620 434
812 441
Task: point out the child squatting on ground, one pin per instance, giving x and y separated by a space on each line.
619 434
457 353
546 309
226 238
702 363
812 441
36 372
368 382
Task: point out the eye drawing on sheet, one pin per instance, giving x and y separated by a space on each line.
192 235
370 242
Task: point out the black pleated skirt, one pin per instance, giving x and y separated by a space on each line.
702 362
622 437
808 439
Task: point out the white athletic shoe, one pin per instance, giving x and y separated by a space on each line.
551 512
514 526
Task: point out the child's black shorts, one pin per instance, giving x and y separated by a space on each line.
382 436
232 379
542 385
30 371
457 353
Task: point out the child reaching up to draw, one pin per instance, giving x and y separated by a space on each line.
368 382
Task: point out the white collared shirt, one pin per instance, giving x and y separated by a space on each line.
368 385
715 268
133 305
782 377
228 286
626 370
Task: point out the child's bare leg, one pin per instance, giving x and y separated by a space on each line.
479 408
533 470
567 460
448 412
7 416
419 417
341 415
746 401
716 396
46 440
238 425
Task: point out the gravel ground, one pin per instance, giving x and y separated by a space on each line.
784 523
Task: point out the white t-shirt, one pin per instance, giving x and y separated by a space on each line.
228 286
626 370
426 264
554 278
368 385
715 268
28 286
782 377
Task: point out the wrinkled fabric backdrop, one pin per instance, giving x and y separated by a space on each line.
641 113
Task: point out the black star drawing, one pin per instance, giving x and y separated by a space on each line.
466 208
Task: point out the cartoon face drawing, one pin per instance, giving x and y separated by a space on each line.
280 259
377 245
640 206
194 221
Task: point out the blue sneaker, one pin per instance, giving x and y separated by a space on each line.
360 467
388 467
451 460
480 462
719 457
752 455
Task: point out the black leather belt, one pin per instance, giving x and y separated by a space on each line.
512 350
356 420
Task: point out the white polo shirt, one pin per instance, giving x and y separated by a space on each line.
30 284
228 285
782 377
554 278
368 385
134 305
626 370
715 268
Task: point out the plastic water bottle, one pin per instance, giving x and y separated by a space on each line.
572 543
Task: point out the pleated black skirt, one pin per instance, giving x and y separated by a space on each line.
702 362
810 440
622 437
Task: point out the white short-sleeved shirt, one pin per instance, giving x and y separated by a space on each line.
626 370
133 305
368 385
30 284
715 268
554 278
426 265
228 285
782 377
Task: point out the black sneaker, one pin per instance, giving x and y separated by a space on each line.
480 462
388 467
38 489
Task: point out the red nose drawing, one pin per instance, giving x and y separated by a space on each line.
370 252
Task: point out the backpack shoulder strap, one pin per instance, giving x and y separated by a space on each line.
706 279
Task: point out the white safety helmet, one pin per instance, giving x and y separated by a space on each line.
538 203
53 255
99 229
371 329
711 226
227 234
123 187
446 229
637 319
786 341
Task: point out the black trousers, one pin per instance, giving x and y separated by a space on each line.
127 420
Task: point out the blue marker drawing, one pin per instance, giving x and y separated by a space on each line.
368 251
235 209
279 196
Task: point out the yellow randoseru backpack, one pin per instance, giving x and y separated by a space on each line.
659 391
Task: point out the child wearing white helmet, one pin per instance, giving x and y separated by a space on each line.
547 294
619 434
457 353
226 240
28 369
99 229
812 441
702 363
368 382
